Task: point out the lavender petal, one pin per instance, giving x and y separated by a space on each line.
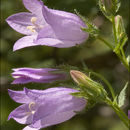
20 21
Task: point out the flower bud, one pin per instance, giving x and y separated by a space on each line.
120 32
79 77
119 26
109 7
91 88
107 3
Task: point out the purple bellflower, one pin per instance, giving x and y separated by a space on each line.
42 108
44 26
42 75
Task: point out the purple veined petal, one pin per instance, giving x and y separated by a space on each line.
21 80
32 5
35 6
61 105
26 74
35 70
66 26
45 75
47 37
19 96
45 79
47 12
20 21
25 41
48 93
54 101
46 32
22 114
57 105
29 128
55 117
58 43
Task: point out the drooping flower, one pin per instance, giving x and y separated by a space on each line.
42 108
42 75
44 26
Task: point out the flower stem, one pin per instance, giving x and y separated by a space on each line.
114 30
119 112
107 43
124 61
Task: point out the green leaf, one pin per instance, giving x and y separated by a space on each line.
128 53
122 96
109 7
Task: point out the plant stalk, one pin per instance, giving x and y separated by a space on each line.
119 112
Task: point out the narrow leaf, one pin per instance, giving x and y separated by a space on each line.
122 96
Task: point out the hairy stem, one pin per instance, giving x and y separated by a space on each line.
119 112
124 61
107 43
114 30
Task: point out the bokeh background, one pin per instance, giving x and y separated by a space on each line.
93 53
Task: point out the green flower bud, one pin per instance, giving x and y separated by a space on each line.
119 26
109 7
120 32
92 89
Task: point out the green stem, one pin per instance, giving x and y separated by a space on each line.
119 112
124 61
107 43
114 30
106 82
123 54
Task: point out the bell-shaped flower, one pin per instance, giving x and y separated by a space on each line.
44 26
41 75
42 108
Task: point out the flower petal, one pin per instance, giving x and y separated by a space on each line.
21 80
57 43
59 104
48 37
19 96
44 75
32 5
35 6
29 128
26 41
57 114
35 70
53 119
22 114
52 102
48 94
67 26
20 21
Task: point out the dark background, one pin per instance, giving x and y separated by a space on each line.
94 53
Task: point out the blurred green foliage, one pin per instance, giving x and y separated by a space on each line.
93 53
